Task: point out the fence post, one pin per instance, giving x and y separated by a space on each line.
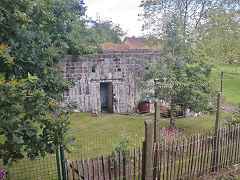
221 81
63 163
217 128
58 164
147 161
172 116
219 111
156 122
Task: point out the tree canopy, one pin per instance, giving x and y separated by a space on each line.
219 37
183 72
191 13
213 23
105 31
34 36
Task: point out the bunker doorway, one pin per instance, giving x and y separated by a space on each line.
106 97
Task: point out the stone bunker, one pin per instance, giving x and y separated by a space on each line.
107 82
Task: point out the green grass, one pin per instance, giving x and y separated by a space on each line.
231 83
96 135
201 124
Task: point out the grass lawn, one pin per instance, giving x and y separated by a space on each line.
96 135
231 83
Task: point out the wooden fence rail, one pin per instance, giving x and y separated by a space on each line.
184 159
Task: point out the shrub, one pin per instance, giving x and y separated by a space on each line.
165 111
168 135
122 145
235 119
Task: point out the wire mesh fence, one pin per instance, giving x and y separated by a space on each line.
96 140
189 120
39 168
187 158
99 142
229 83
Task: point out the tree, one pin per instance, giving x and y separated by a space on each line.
220 37
180 25
181 74
34 36
191 13
214 24
105 31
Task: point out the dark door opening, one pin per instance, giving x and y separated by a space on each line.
106 97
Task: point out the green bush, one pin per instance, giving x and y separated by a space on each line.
165 111
122 145
235 119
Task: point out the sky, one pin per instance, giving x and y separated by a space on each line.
122 12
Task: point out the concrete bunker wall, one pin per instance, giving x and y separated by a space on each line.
116 67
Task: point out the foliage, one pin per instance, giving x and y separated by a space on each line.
220 37
190 13
28 115
165 111
213 23
34 36
235 119
82 40
105 31
169 135
181 74
122 145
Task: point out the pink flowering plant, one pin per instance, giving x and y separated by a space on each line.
165 111
168 135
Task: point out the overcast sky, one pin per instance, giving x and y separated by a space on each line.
123 12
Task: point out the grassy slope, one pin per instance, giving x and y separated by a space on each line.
231 83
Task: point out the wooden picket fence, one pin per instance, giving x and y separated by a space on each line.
197 156
120 165
184 159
